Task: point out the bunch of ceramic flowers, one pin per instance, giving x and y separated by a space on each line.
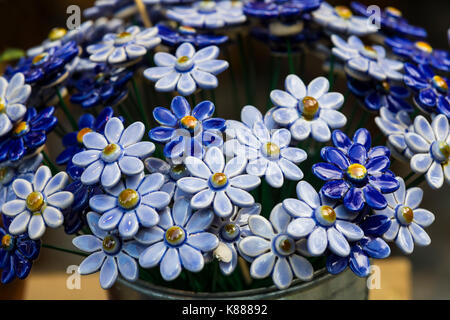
190 200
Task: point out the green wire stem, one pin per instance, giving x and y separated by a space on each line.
49 162
66 111
274 79
139 103
416 181
290 59
331 72
245 69
409 176
123 111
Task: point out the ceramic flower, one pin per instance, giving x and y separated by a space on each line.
38 204
122 9
116 152
13 95
269 9
324 223
274 250
131 204
217 183
174 37
28 135
208 14
178 241
308 111
432 93
358 176
187 70
392 21
407 219
109 253
124 47
341 19
17 253
370 246
364 62
431 147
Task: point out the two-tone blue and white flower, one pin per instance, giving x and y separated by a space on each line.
116 152
431 147
131 204
407 219
109 253
215 183
308 111
178 241
187 70
38 204
274 251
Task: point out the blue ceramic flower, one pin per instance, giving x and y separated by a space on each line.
341 19
274 250
269 9
325 223
215 183
13 95
364 62
116 152
124 47
178 241
174 37
431 147
123 9
370 246
131 204
16 253
358 176
432 94
308 111
391 21
28 135
208 14
420 52
109 253
407 219
38 204
187 70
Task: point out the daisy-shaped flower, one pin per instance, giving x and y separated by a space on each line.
274 250
325 223
28 135
123 9
341 19
116 152
38 204
187 70
109 253
218 184
364 62
16 253
371 245
178 241
359 176
432 94
174 37
208 14
124 47
431 147
308 111
269 9
13 95
131 204
407 219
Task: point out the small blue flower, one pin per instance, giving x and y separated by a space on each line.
274 251
215 183
38 205
131 204
16 253
27 135
109 253
174 37
308 111
431 147
407 219
116 152
122 9
178 241
358 176
270 9
187 70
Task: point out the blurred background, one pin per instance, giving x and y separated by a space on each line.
25 23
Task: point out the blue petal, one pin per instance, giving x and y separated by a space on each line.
377 248
379 151
327 171
203 110
336 264
164 117
340 140
180 107
214 124
359 262
377 164
362 136
335 189
357 153
384 183
374 198
337 157
354 199
161 134
375 225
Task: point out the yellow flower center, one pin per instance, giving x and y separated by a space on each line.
356 171
175 235
38 58
20 128
407 214
186 29
110 149
219 180
183 59
81 134
189 122
57 33
2 105
35 201
328 214
386 86
394 11
179 169
6 241
3 173
285 245
271 149
110 244
424 46
123 35
344 12
310 107
128 199
445 149
439 83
